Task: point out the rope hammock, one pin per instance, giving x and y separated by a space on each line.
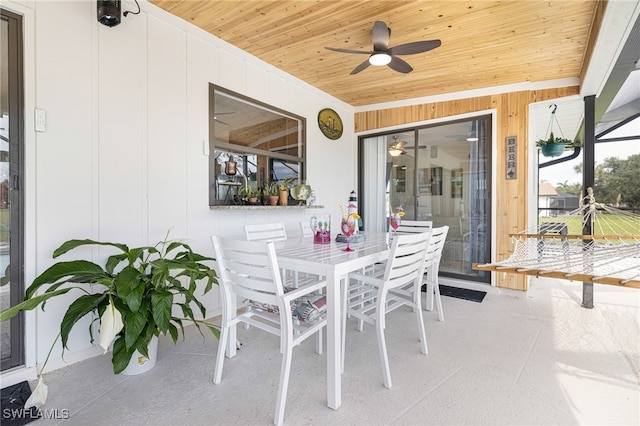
609 255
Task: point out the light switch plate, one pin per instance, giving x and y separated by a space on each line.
40 120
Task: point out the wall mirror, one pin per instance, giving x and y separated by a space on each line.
251 144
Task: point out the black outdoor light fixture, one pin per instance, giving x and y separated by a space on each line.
109 12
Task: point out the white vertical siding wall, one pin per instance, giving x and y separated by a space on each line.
122 157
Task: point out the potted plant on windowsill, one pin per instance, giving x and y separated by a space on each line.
250 194
273 193
132 295
553 146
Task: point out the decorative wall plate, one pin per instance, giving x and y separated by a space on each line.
330 123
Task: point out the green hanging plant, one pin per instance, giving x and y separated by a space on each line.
551 140
554 146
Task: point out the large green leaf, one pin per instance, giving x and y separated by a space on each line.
134 324
187 311
129 287
161 302
173 330
200 306
212 278
79 308
113 261
177 244
213 328
142 344
184 265
179 322
121 355
78 271
71 244
30 303
137 254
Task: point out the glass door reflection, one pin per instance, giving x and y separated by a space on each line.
438 173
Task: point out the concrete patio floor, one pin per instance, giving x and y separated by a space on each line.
532 358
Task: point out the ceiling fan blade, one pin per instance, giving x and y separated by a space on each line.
415 47
400 65
360 67
380 36
336 49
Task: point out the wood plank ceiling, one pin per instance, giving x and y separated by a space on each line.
484 43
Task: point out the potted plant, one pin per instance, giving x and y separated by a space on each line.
250 193
273 193
553 146
133 295
283 190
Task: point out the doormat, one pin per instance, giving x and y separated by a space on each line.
12 401
462 293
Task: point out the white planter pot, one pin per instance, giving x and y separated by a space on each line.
140 363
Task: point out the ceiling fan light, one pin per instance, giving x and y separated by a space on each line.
395 151
379 59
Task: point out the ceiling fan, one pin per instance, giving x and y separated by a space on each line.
382 54
397 148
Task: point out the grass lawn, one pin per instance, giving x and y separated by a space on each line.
605 224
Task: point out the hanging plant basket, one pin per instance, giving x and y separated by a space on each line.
552 150
553 146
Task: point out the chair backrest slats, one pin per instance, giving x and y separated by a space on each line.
414 226
436 245
249 269
406 261
434 252
265 232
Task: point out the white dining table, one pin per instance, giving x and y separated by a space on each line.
331 261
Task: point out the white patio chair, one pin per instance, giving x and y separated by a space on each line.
249 270
277 232
369 298
434 254
432 268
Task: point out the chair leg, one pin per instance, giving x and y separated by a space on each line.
284 384
417 300
436 291
319 342
428 306
222 345
382 344
384 358
344 284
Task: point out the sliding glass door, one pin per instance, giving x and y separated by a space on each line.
439 173
11 158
